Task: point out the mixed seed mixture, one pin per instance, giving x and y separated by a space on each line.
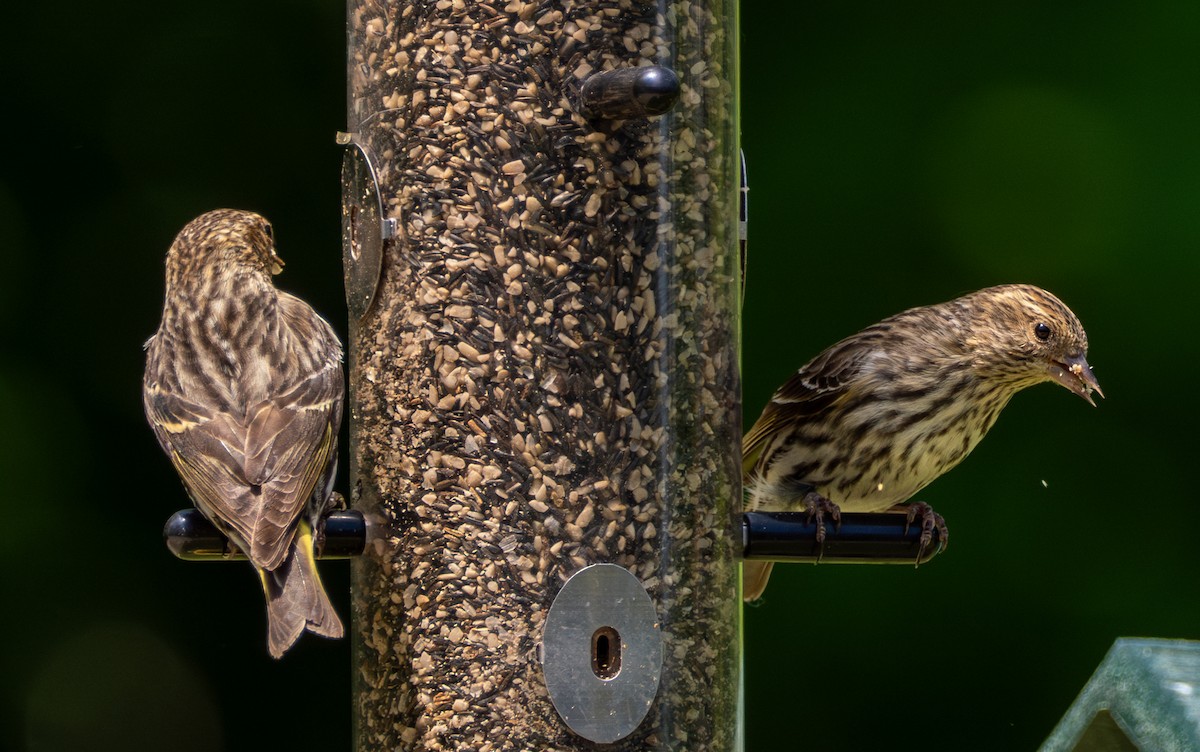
548 376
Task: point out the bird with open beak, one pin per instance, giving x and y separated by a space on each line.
878 416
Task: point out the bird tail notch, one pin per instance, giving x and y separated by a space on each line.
296 600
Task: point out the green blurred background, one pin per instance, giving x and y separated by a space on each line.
899 154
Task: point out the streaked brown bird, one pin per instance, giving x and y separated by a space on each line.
881 414
243 388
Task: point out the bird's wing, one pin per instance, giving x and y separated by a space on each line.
291 438
207 448
292 441
810 392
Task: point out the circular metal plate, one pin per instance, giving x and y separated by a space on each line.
362 230
602 653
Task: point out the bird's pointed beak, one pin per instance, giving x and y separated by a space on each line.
276 262
1075 374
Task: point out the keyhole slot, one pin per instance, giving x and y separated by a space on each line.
606 653
355 246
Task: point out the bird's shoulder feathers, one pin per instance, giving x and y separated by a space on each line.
809 392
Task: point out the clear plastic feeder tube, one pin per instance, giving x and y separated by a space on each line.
544 375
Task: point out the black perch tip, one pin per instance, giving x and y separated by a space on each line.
191 537
862 538
624 93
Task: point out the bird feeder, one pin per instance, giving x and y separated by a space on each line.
1142 696
540 224
543 209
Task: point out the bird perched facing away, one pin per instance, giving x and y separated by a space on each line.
243 388
881 414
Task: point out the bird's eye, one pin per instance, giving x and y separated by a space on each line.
1041 331
270 233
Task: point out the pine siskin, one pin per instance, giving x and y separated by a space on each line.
243 389
881 414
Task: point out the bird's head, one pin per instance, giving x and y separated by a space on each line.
224 238
1023 335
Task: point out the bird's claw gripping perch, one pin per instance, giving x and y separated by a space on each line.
929 521
817 506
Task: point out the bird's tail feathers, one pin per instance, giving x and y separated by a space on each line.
296 601
754 579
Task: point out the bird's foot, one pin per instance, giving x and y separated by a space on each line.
930 520
817 507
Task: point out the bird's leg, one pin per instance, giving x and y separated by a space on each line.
929 520
817 506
